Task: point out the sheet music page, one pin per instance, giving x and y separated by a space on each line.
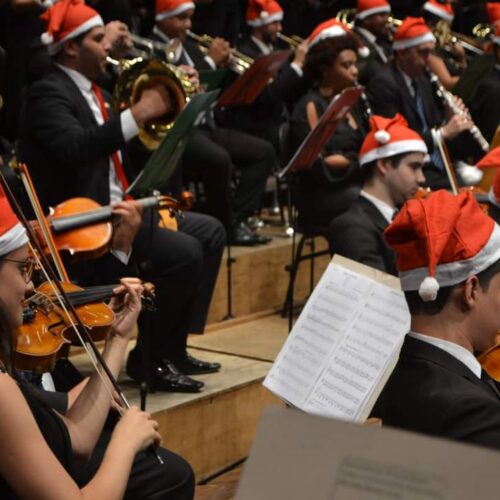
339 350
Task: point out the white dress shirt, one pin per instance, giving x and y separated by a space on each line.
386 210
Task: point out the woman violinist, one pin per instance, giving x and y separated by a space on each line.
332 183
41 448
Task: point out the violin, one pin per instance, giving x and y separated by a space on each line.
82 228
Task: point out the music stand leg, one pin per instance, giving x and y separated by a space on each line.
229 265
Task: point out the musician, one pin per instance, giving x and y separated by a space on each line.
448 255
333 182
485 104
214 152
72 150
43 450
403 87
391 161
372 28
273 105
448 63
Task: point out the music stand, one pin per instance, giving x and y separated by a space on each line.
153 178
307 154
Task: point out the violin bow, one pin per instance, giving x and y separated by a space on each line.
80 329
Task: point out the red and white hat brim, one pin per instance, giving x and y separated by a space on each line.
13 239
392 149
174 12
429 7
412 42
55 47
374 10
331 32
265 19
496 40
455 272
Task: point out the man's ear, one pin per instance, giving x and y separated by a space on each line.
382 166
71 48
470 292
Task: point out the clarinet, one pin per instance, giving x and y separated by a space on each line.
366 104
447 99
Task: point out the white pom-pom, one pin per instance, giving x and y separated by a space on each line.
264 14
47 38
382 136
363 51
428 289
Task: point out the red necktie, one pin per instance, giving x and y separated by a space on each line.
120 172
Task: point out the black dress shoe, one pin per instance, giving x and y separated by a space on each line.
193 366
243 236
164 377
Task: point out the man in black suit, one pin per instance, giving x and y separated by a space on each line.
74 146
392 173
403 87
372 28
214 152
448 255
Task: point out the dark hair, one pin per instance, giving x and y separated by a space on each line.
418 306
325 52
368 170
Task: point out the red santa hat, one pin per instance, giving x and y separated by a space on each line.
367 8
65 20
496 37
12 233
413 31
389 137
493 11
331 29
441 241
492 160
443 10
170 8
262 12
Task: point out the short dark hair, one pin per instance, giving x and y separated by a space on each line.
368 170
325 52
417 306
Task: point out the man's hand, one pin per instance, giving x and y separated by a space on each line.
119 38
300 54
193 75
455 126
219 51
127 224
154 102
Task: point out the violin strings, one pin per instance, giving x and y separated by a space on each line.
91 354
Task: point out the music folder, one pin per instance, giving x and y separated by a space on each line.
315 141
250 84
164 160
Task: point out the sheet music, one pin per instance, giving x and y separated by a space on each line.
341 346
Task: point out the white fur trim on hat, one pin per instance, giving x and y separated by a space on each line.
54 48
265 19
428 289
393 148
330 32
411 42
174 12
375 10
455 272
382 136
496 40
438 12
13 239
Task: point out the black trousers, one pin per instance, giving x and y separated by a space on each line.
183 265
214 153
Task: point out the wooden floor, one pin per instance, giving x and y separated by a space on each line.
221 488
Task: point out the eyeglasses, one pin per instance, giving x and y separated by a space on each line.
27 269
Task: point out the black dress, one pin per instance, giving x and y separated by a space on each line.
321 192
53 430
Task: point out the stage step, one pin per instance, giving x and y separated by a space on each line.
222 487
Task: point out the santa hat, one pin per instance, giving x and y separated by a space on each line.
492 160
496 37
443 10
170 8
65 20
389 137
331 29
12 233
367 8
441 241
413 31
493 11
262 12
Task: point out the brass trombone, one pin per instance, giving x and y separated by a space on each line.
292 41
447 38
348 17
238 61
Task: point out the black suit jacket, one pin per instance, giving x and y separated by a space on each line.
369 66
65 149
432 392
389 94
358 234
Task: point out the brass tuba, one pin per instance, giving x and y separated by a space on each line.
136 75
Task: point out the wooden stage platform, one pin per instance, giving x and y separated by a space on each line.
214 429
